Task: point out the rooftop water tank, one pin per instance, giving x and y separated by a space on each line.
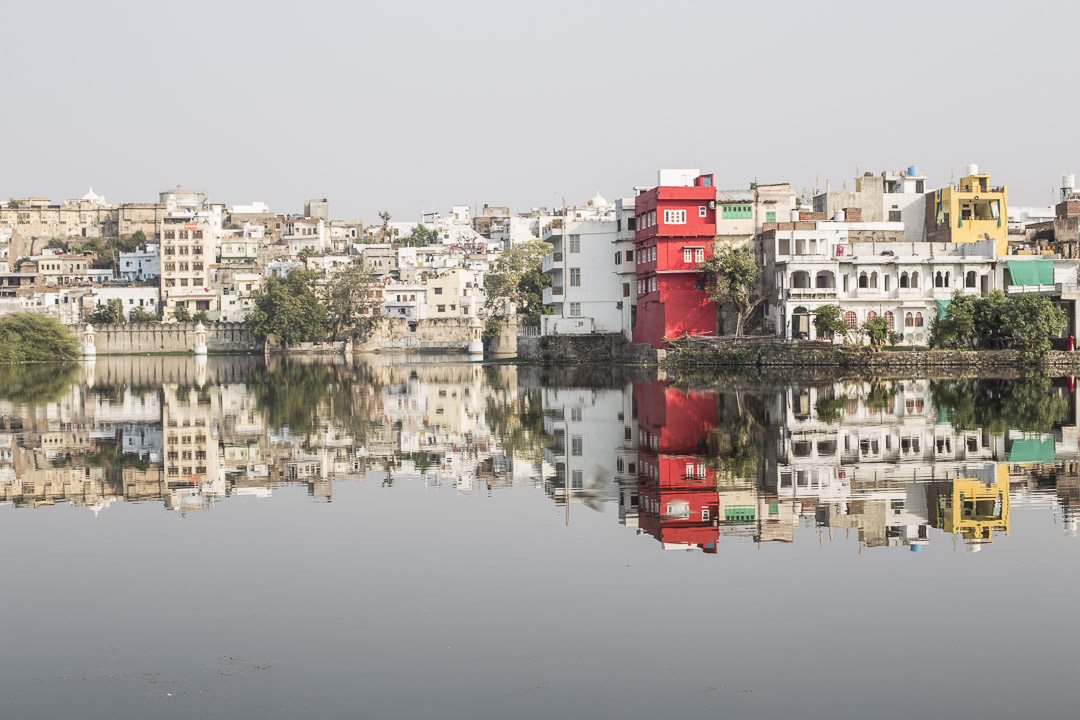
1068 181
971 169
839 216
913 171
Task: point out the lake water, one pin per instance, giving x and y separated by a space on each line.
415 538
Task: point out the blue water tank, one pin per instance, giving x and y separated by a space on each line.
916 548
913 171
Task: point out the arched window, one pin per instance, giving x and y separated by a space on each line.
909 320
903 280
915 279
850 319
970 279
871 316
864 282
918 319
939 280
891 320
873 279
946 278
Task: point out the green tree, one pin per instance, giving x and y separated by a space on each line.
732 276
878 330
140 315
829 321
955 327
181 314
111 311
352 303
420 237
1033 320
517 279
201 316
14 204
289 309
33 337
57 244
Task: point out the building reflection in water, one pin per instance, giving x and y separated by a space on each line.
891 463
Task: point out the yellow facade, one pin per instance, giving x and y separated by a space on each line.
970 211
975 509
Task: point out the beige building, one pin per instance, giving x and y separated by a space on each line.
189 244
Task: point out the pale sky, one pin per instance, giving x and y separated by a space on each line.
403 106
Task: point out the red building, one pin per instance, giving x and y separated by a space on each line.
674 231
677 498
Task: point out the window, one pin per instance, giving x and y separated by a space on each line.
438 291
894 216
909 320
575 309
652 253
702 211
575 243
699 255
629 255
652 283
850 319
575 414
903 280
918 319
915 279
441 308
770 217
630 223
202 304
626 289
575 277
688 255
674 217
576 446
969 279
618 258
736 212
890 318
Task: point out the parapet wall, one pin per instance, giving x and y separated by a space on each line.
154 337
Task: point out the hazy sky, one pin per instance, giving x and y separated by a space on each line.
401 106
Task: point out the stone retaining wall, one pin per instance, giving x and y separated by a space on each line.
156 337
584 349
777 357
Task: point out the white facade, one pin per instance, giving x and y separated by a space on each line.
143 264
586 294
405 300
301 234
625 264
134 296
897 280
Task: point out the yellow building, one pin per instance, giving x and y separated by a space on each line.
972 508
969 211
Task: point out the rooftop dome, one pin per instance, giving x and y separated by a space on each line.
93 197
598 200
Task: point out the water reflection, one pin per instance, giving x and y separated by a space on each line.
888 462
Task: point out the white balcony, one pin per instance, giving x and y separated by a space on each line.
551 262
553 295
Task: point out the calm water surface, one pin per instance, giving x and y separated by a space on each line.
408 539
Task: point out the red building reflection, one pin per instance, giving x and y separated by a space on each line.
677 498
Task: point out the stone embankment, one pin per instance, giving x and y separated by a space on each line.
891 361
155 337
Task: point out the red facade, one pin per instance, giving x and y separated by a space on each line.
675 228
677 498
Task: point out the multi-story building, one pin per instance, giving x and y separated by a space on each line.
454 292
142 264
304 234
893 196
405 300
585 293
143 297
674 233
189 246
625 265
970 211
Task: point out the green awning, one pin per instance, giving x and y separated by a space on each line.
942 306
1032 272
1032 450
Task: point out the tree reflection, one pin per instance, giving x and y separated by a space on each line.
36 384
1032 403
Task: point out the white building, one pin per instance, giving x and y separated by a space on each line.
586 293
143 264
625 264
145 298
405 300
907 283
304 233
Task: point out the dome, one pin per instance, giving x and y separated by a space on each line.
598 200
93 197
